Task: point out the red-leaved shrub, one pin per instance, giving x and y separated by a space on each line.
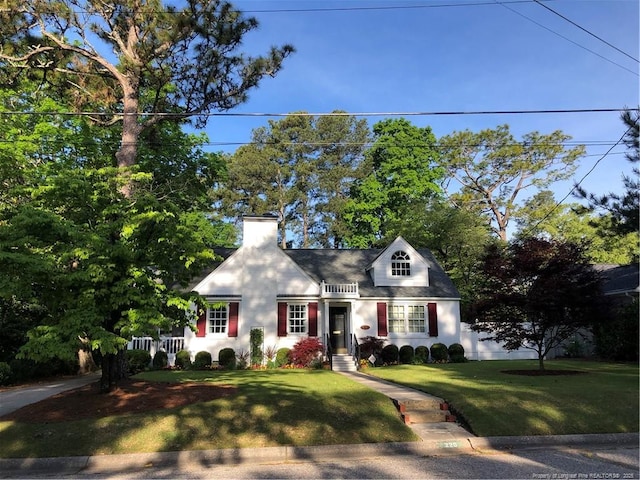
305 351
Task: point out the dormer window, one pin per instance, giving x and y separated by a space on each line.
400 264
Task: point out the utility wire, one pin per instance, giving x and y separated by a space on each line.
584 29
566 38
575 187
322 114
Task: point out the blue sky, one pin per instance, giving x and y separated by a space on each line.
459 57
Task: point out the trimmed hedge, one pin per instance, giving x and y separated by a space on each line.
160 360
138 361
390 354
439 352
406 354
183 359
422 354
227 358
202 360
283 357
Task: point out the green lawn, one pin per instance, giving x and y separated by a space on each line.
271 408
602 400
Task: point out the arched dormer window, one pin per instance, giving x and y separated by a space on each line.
400 264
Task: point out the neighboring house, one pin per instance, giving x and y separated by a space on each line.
398 293
620 282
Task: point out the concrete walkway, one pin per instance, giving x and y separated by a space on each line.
441 434
14 398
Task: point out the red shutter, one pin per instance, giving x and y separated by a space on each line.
433 319
313 319
202 323
232 327
282 319
382 320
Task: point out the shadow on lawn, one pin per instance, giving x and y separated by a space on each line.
269 408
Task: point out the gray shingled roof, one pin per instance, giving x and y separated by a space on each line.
346 266
619 279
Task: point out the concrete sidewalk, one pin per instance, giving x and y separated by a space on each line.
446 438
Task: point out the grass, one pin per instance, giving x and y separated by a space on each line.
271 408
602 400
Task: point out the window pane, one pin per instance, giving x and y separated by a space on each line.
218 320
400 264
396 318
298 318
416 319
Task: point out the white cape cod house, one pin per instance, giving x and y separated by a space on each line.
398 293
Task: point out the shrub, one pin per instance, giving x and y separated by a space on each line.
282 357
183 359
5 373
422 354
305 351
160 360
256 338
455 349
227 358
406 354
202 360
390 354
371 346
242 360
439 352
138 361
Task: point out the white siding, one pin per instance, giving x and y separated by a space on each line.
448 322
381 270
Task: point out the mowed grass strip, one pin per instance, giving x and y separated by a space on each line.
271 408
603 399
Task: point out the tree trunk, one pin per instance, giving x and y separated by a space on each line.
126 154
114 369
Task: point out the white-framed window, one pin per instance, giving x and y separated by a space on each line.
406 319
395 317
298 318
400 264
218 319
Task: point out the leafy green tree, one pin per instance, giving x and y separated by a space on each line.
491 168
624 208
537 294
140 59
301 168
401 175
132 63
542 216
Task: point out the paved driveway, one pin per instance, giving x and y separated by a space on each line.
15 398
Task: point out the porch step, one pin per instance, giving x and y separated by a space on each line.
424 411
344 363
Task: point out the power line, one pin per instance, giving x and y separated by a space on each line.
322 114
565 38
584 30
575 187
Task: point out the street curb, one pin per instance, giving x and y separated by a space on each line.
540 441
236 456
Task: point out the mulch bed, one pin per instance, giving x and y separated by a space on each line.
131 396
542 373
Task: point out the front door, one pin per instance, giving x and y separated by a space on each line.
338 329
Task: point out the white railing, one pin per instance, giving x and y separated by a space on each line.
343 290
170 345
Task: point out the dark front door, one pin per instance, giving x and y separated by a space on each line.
338 329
